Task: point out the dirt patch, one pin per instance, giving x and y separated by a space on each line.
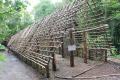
91 71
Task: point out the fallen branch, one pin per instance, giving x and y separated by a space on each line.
72 77
94 77
88 70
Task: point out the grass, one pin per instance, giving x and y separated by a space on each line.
2 57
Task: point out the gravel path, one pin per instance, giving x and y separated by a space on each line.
14 69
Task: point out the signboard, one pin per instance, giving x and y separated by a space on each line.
71 47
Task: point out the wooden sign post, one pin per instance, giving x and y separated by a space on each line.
71 48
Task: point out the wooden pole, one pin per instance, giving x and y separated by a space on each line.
62 47
71 52
47 71
105 55
53 62
84 35
53 54
85 47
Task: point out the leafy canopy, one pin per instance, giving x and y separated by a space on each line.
13 17
44 8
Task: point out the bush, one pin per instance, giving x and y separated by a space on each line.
2 57
2 47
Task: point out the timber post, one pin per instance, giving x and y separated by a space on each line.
105 55
62 46
47 71
85 47
71 51
54 62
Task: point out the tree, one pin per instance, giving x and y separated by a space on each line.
44 8
113 8
13 17
63 3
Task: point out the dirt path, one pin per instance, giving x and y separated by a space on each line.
14 69
92 71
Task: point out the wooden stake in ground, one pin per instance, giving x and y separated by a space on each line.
85 47
106 55
53 54
71 51
62 47
53 62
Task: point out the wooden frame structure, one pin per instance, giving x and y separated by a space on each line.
40 42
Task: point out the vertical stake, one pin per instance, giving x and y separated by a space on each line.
53 62
71 52
47 71
53 54
62 47
85 47
105 55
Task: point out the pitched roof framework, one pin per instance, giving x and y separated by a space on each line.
43 37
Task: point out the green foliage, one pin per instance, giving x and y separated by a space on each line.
13 17
113 11
2 57
2 47
116 56
63 3
114 51
44 8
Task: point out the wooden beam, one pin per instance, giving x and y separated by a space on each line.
87 30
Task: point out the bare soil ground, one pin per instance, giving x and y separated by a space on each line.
92 71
